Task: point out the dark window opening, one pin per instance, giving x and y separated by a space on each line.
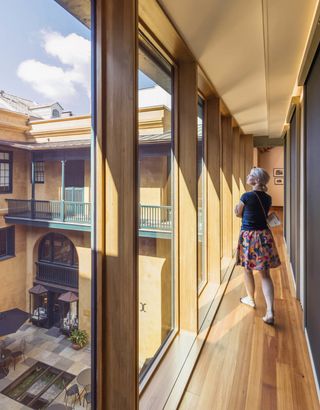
58 249
38 172
7 242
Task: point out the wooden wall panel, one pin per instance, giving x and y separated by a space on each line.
226 126
235 182
214 197
187 117
116 204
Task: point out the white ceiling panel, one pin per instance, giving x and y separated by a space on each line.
250 50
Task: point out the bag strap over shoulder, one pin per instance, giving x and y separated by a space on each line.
264 212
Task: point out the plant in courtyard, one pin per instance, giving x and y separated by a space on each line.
79 338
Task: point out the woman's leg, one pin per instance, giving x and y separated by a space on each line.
268 291
249 283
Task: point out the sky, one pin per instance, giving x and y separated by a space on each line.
46 55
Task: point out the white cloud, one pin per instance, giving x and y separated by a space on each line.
59 82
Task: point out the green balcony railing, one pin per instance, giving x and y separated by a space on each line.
156 217
152 217
63 211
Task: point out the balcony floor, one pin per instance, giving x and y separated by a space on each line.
246 364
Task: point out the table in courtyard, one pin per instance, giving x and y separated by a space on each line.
84 377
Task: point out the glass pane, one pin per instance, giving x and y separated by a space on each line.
156 274
62 250
4 155
201 196
46 85
4 174
46 249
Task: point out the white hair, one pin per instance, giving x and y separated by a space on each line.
262 177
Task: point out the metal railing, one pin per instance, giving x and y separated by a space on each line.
153 217
156 217
64 211
58 274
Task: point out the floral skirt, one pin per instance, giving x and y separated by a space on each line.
257 250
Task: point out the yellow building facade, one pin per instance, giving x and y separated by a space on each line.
40 210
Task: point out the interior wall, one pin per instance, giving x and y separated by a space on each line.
269 160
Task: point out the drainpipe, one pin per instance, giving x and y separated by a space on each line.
63 164
33 189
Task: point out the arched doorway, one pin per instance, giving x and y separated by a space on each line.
57 268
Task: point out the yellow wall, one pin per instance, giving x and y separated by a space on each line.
154 120
155 293
153 181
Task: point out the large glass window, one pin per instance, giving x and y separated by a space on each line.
46 289
156 204
201 178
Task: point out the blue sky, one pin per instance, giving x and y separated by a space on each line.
45 54
23 23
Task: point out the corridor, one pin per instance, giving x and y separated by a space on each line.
246 364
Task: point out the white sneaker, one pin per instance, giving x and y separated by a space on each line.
268 318
246 300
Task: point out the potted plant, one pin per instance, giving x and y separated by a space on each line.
79 338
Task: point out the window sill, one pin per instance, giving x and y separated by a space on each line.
4 258
167 384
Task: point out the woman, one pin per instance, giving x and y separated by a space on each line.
256 248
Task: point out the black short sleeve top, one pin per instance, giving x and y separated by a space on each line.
253 217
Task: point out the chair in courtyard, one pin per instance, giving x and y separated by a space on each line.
16 355
87 396
4 365
73 394
3 345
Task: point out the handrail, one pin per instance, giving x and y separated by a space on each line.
156 217
52 210
57 273
152 217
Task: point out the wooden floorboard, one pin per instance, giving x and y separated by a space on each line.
246 364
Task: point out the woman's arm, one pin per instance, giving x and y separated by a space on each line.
238 210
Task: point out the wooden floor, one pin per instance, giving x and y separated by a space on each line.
246 364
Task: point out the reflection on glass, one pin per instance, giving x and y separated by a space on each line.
201 196
155 206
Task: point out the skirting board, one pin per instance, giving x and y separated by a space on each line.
312 365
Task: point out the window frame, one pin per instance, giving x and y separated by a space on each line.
10 242
204 256
10 162
158 55
38 172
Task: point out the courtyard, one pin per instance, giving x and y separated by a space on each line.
51 348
